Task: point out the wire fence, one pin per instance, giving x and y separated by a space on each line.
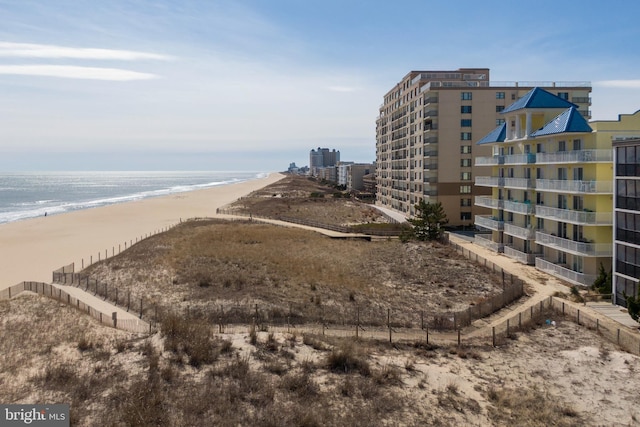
48 290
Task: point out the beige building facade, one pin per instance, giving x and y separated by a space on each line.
425 134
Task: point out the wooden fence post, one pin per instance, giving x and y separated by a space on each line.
459 341
493 333
357 320
578 316
389 322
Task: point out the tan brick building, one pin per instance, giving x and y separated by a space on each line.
426 131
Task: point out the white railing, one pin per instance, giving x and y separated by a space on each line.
489 202
518 207
520 159
489 161
520 232
580 156
565 273
575 217
579 248
486 242
574 186
489 222
519 256
489 181
518 183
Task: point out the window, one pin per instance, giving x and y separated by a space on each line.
465 149
577 144
499 108
562 146
563 95
465 163
499 122
465 216
465 136
465 109
465 202
499 95
465 189
465 123
466 96
465 176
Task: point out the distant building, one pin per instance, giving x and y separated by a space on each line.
626 221
292 168
425 130
342 172
322 158
355 175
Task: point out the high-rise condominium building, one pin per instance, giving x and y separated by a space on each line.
425 134
550 177
626 249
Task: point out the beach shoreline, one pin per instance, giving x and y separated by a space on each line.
31 249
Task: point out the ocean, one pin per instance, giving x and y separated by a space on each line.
26 195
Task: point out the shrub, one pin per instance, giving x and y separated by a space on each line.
346 359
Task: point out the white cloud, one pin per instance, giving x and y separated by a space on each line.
27 50
620 84
75 72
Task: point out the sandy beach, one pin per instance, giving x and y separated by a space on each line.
32 249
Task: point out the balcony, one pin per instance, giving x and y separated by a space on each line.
432 153
524 208
520 159
574 186
489 202
489 161
525 258
430 113
431 166
487 221
485 241
574 217
565 273
519 232
430 100
576 248
522 183
431 140
580 156
489 181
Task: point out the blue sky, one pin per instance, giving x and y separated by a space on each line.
256 84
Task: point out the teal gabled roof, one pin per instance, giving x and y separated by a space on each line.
569 121
538 98
497 135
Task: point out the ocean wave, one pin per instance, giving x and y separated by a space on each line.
38 208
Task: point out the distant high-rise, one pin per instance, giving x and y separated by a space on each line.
425 134
322 158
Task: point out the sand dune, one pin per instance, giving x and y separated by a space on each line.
32 249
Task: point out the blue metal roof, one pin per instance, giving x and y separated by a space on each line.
538 98
569 121
497 135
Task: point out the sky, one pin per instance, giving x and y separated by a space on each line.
256 84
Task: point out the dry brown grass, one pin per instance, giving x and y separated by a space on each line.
294 273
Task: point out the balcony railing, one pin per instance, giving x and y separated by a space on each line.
574 217
520 232
487 221
485 241
565 273
519 256
518 207
580 156
520 159
577 248
489 202
489 161
489 181
523 183
574 186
